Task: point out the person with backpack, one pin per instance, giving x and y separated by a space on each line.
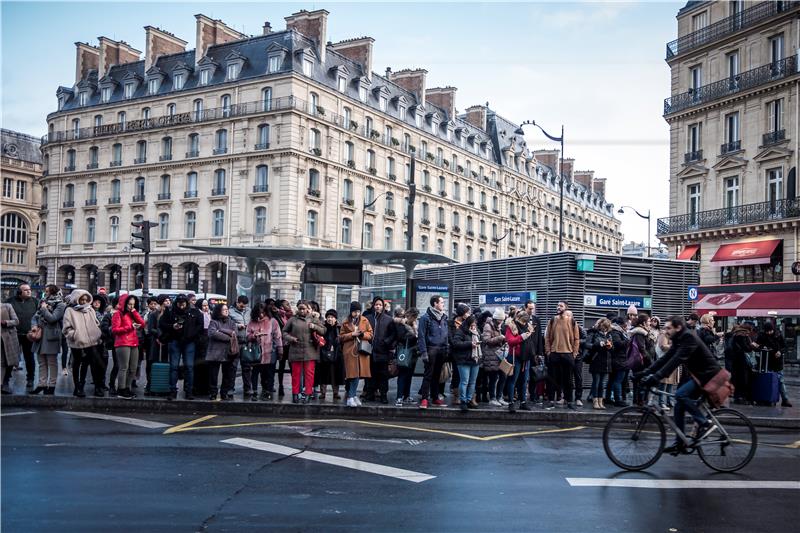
562 342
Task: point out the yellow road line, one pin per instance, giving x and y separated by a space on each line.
182 427
192 426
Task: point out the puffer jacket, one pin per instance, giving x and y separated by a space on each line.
81 327
597 355
122 325
619 347
462 346
297 333
219 339
492 342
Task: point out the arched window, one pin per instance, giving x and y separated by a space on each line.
113 226
545 247
313 180
440 215
69 194
494 231
67 231
347 191
91 193
164 187
423 243
163 226
219 223
116 155
171 109
90 229
262 179
314 103
483 228
388 239
76 127
314 139
346 230
71 156
368 126
439 246
190 225
389 202
454 251
13 229
349 154
145 113
166 149
266 99
115 191
138 189
311 224
141 152
261 220
346 117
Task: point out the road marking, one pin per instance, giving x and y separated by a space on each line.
175 429
381 470
122 419
15 413
191 426
681 483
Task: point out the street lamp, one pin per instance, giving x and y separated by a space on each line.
364 214
621 211
560 173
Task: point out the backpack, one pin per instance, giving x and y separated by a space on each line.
634 358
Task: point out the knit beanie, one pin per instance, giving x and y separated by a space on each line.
355 306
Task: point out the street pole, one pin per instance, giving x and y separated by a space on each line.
412 194
128 280
648 233
561 196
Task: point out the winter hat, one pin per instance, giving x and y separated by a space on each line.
499 314
355 306
162 298
632 310
462 309
331 312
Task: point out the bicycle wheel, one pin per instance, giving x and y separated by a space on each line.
731 447
634 438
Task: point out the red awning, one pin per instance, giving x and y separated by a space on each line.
745 253
750 304
688 251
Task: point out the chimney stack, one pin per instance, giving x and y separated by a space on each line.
358 50
312 24
267 28
599 187
157 43
444 97
210 32
87 58
412 81
547 157
115 53
476 115
569 165
584 177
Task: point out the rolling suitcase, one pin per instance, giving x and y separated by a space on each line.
159 376
766 389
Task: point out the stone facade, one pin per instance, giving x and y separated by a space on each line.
734 134
20 173
282 143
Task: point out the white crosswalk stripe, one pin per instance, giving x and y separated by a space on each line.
121 419
681 483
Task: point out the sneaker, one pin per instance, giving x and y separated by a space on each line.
399 402
675 448
524 406
571 405
439 403
495 403
786 403
502 402
408 401
351 402
560 403
550 405
579 403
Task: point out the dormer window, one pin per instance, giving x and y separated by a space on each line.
418 119
83 98
129 90
232 72
205 75
274 63
105 94
382 101
152 86
233 65
308 66
61 100
177 81
341 84
362 93
402 112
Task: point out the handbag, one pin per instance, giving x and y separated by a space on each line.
329 354
35 334
393 369
540 372
233 350
506 367
365 347
446 373
319 340
251 353
719 388
404 356
752 360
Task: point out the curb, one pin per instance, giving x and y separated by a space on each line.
201 407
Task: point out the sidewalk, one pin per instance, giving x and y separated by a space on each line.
774 417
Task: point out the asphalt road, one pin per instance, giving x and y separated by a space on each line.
66 472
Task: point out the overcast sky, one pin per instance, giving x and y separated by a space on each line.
596 67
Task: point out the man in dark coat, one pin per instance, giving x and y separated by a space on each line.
689 350
383 340
180 327
25 306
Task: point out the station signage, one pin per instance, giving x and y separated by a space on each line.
617 301
506 298
424 289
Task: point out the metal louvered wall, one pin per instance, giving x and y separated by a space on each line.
554 277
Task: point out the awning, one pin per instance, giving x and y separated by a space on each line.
750 304
688 252
745 253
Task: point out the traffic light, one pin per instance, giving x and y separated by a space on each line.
143 233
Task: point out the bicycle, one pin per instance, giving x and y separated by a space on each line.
635 437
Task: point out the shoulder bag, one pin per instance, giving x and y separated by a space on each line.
35 334
251 353
319 340
364 347
718 389
506 367
403 356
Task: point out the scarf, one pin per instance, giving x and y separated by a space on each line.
476 350
206 319
438 315
54 300
81 308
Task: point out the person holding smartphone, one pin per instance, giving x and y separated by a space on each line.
125 324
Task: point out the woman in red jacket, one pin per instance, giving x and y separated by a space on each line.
125 324
517 331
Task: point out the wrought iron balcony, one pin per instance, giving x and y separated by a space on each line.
140 160
69 168
260 188
688 157
194 153
138 198
190 194
69 204
92 166
91 202
730 216
262 146
219 191
115 164
727 26
742 82
730 147
773 137
165 157
114 200
219 151
164 196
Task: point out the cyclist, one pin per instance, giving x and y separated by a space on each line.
689 350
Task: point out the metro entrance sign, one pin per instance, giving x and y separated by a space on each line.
617 301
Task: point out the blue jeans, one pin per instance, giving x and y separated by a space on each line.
782 385
616 384
598 382
686 399
468 374
351 388
521 371
665 399
176 351
404 381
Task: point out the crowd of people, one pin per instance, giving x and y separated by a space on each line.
503 358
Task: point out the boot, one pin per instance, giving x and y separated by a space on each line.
322 391
384 398
50 391
464 407
596 403
473 404
602 403
336 393
38 390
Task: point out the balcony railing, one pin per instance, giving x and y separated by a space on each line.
164 196
140 161
69 168
91 202
219 151
727 26
165 157
138 198
114 200
92 166
742 82
194 153
219 191
190 194
773 137
730 216
69 204
262 146
260 188
730 147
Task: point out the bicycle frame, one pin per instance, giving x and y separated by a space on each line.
702 404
